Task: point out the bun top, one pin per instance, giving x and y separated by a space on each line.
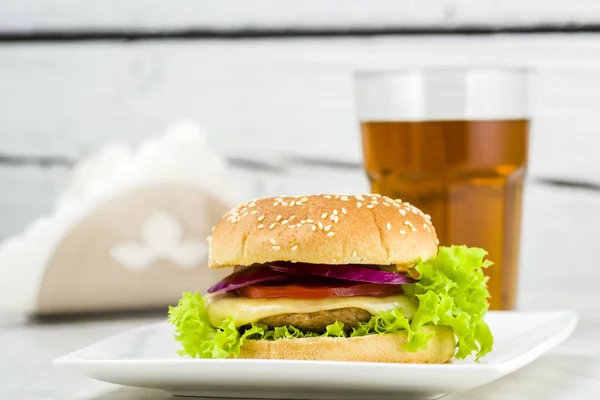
323 229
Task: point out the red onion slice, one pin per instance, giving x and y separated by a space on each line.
346 273
247 276
306 273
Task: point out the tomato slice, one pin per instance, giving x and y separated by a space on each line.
319 291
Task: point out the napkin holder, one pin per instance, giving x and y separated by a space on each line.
129 233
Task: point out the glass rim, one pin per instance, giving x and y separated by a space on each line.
442 93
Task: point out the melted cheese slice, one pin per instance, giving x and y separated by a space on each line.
245 310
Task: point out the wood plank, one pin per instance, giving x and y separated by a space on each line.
35 15
270 99
558 235
28 193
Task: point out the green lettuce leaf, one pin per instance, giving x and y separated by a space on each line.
390 321
451 291
335 330
195 333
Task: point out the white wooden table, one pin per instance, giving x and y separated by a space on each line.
570 371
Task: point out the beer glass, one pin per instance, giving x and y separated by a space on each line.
453 142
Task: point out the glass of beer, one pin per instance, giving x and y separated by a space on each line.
453 142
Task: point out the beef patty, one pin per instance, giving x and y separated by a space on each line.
317 321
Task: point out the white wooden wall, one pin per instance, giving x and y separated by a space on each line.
283 101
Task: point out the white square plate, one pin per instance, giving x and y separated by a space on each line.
146 357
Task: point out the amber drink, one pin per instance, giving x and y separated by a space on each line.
454 143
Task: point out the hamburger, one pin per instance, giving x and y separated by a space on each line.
336 277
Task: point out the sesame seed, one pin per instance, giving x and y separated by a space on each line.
385 203
413 229
414 211
354 253
314 228
275 204
328 227
426 227
244 214
344 211
294 247
310 221
243 210
260 226
292 203
335 212
327 196
324 215
251 204
388 226
276 247
291 218
303 222
272 241
332 217
337 196
374 202
376 195
358 196
278 218
330 234
370 206
407 204
320 225
253 212
398 201
358 204
304 199
437 241
402 232
335 219
344 198
285 221
408 223
396 204
212 229
272 226
402 212
333 260
428 217
260 218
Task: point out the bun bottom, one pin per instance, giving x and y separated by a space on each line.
371 348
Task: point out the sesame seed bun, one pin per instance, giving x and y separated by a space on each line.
372 348
323 229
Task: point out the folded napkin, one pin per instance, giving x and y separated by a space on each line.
128 234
